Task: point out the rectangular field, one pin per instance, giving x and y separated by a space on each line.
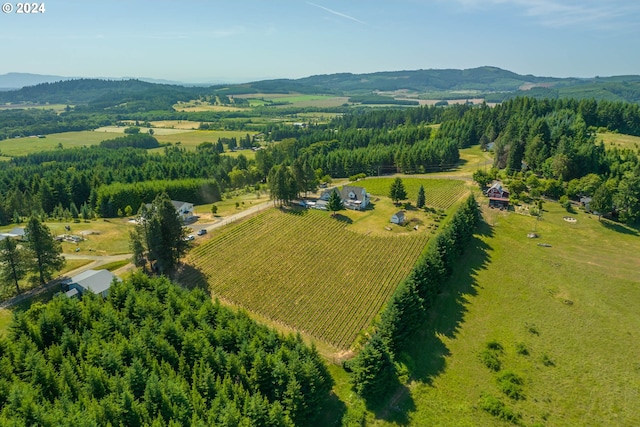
439 193
306 270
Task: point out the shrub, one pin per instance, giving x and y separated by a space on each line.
498 409
490 359
511 385
547 361
522 349
490 356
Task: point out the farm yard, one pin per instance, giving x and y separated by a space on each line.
307 271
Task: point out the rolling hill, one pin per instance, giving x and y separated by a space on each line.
491 83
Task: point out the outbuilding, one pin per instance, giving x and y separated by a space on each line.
398 218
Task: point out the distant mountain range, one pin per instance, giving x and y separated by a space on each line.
489 83
14 81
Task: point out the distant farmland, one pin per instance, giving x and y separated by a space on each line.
307 271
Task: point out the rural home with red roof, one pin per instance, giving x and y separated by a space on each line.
498 196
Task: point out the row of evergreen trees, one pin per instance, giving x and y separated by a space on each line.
373 370
154 354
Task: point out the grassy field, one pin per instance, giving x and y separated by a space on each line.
103 237
190 140
5 320
21 146
306 270
439 193
565 315
619 140
295 100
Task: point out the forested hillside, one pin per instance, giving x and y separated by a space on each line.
153 353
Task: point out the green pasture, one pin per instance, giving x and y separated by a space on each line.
191 139
566 315
439 193
21 146
55 107
619 140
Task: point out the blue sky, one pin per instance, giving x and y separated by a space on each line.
244 40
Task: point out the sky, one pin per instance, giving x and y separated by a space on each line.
198 41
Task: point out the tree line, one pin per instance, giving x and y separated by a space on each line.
373 372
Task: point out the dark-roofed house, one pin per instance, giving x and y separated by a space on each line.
352 197
94 281
498 196
398 218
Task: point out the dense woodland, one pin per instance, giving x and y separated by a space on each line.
553 139
154 354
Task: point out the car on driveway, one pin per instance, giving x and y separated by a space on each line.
202 232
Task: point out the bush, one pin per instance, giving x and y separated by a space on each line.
564 202
547 361
490 356
511 385
357 177
522 349
490 359
498 409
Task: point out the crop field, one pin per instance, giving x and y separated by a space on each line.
439 193
306 270
619 140
566 317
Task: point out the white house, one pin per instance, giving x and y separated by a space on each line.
398 218
352 197
94 281
183 209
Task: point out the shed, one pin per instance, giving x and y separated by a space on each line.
398 218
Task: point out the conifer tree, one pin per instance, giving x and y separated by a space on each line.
335 202
13 264
421 198
45 252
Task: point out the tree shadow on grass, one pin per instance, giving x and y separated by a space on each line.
619 228
426 358
342 218
396 407
191 277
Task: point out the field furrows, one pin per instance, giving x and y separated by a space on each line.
439 193
307 271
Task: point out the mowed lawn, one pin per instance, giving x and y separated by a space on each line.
566 315
306 270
